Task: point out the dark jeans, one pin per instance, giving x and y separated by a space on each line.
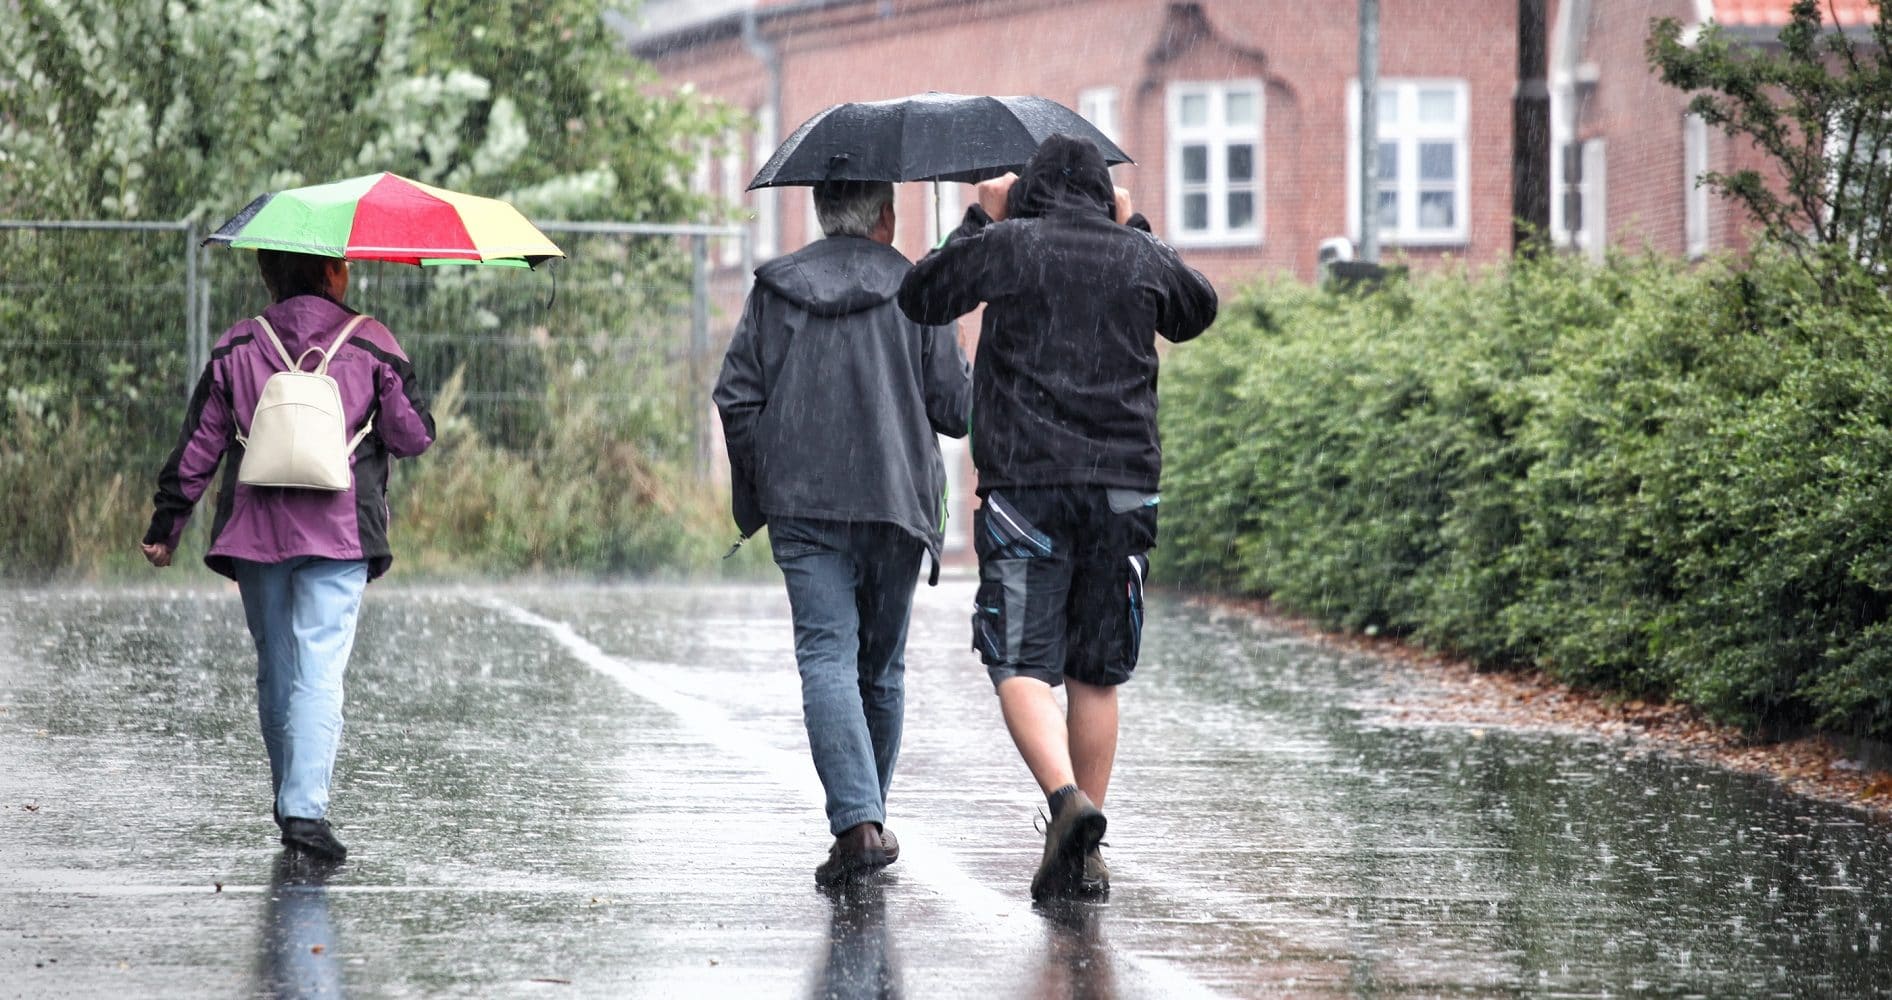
850 587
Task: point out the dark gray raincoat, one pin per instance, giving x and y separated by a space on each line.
830 397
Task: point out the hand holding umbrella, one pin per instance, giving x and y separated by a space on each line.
994 193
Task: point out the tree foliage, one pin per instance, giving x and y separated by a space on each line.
165 110
1819 106
173 109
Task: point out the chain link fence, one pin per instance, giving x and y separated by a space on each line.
106 326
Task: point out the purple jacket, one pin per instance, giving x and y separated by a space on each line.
272 524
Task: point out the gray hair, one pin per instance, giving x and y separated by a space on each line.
851 208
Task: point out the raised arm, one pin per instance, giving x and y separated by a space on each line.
1189 302
949 282
403 423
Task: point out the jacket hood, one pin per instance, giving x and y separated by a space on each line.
837 275
1066 174
306 320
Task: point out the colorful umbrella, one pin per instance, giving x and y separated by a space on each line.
386 217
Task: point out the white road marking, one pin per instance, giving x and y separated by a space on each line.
921 856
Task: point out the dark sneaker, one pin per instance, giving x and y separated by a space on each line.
1068 839
890 844
856 854
1096 873
313 836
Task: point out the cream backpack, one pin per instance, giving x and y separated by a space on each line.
299 433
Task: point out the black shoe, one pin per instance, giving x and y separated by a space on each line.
890 844
313 836
1069 838
856 854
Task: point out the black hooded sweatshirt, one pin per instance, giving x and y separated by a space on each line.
1064 382
830 398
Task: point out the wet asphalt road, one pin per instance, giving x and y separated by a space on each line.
594 791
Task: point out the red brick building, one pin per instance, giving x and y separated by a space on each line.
1240 114
1632 148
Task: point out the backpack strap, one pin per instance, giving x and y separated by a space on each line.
295 365
281 351
329 355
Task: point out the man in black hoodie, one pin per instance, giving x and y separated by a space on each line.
1064 439
830 399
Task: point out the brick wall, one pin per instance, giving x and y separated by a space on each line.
1056 48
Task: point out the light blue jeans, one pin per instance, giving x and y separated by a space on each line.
850 587
302 614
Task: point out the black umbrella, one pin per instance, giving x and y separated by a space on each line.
926 137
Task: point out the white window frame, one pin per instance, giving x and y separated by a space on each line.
1694 195
951 210
1218 137
1590 237
1406 132
1595 194
1837 137
1100 106
730 250
766 201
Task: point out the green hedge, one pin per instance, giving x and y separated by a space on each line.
1641 477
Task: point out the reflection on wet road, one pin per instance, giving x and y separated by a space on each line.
604 791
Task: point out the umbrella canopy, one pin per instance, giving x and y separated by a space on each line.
386 217
926 137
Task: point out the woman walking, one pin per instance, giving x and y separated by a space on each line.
301 557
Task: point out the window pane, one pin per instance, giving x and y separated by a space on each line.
1436 161
1195 109
1196 212
1387 108
1389 210
1195 164
1241 107
1241 209
1241 163
1437 209
1438 106
1388 161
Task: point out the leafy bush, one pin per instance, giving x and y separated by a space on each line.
1635 476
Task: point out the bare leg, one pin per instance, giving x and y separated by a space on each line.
1093 736
1036 722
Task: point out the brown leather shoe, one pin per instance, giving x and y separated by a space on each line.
890 844
856 853
1068 839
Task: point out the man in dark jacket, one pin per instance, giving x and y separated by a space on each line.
1064 400
830 400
